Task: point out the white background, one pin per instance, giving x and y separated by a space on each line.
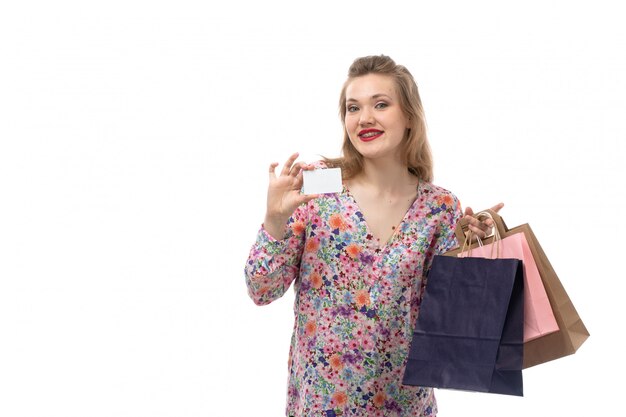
134 143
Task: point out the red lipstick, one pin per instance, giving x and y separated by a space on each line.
368 135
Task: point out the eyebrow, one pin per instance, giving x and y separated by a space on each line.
375 97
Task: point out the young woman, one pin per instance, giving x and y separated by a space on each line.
358 258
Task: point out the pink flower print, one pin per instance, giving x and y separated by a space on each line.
367 343
353 344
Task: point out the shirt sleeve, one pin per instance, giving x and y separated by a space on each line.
273 264
444 238
447 226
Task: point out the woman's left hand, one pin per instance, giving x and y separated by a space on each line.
480 228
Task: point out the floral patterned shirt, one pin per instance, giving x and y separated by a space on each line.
356 301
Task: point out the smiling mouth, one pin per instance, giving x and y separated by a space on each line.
370 135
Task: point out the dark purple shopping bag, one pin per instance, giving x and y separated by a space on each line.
469 333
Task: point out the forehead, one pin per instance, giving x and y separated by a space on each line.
367 86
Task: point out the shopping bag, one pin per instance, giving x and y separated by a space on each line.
469 331
572 332
539 319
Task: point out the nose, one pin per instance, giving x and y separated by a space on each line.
366 117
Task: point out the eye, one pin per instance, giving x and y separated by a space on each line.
352 108
381 105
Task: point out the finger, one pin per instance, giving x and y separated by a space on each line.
288 164
469 211
497 207
300 176
479 231
308 197
273 166
296 170
478 225
298 181
488 227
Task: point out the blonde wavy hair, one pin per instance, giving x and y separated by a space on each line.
415 149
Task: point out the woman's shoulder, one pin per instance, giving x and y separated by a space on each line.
434 190
438 195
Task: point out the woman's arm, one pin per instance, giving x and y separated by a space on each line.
274 260
273 264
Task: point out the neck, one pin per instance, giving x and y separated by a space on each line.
386 176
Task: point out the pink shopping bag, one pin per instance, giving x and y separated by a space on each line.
538 316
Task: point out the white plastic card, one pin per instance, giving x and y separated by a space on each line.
322 181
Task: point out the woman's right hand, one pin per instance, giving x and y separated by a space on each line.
283 195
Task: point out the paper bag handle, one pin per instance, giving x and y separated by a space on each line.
462 226
464 234
494 238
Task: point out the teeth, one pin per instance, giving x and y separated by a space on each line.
370 134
